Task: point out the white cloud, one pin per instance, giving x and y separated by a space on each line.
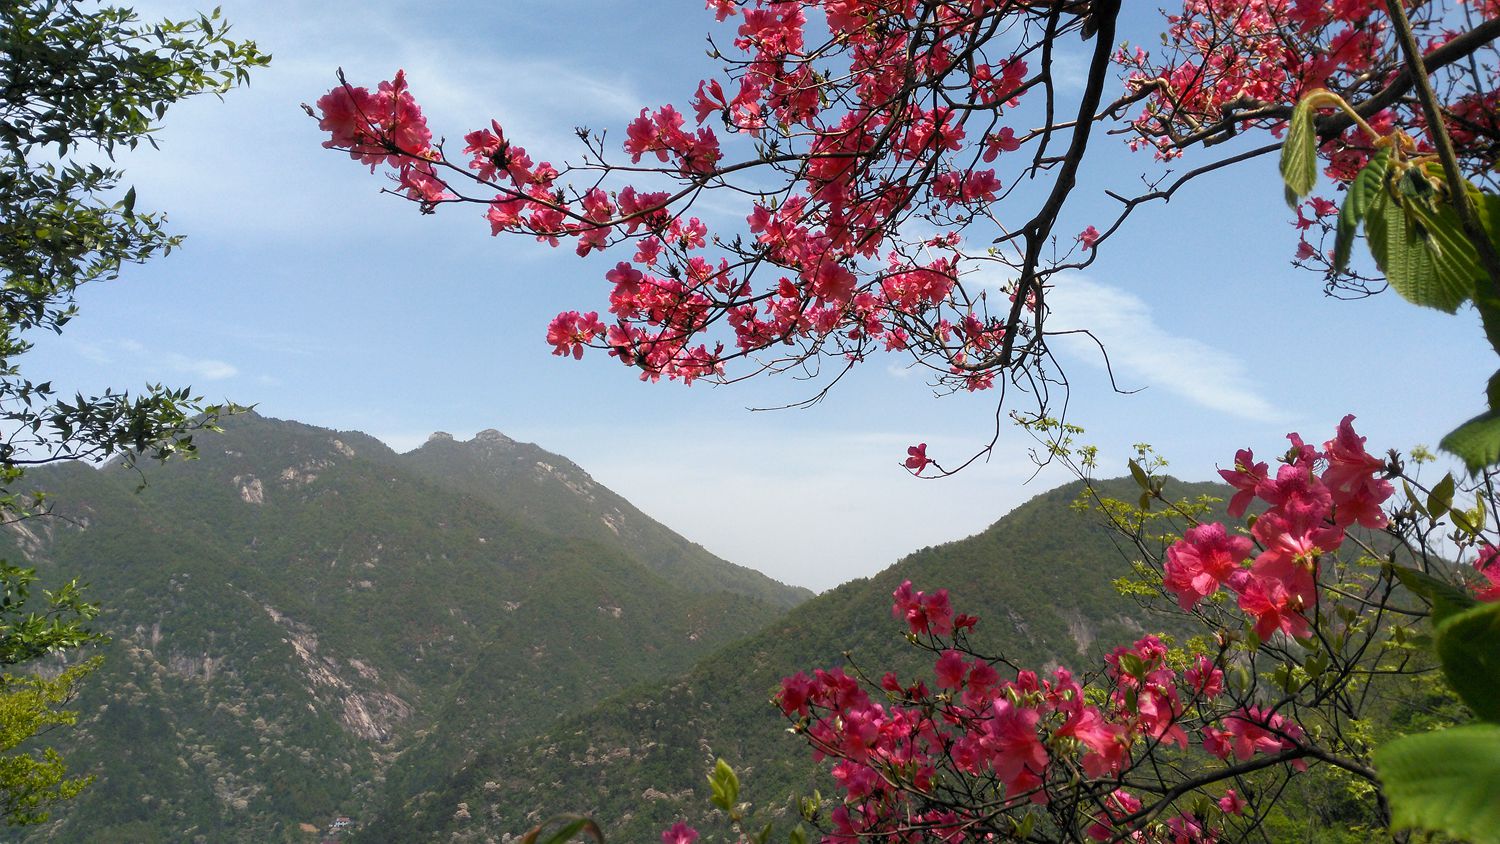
138 356
1142 353
209 369
261 153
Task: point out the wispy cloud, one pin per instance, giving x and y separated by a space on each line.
135 354
208 369
262 153
1141 350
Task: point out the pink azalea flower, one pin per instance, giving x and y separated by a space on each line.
950 669
1488 565
916 458
1202 560
1245 477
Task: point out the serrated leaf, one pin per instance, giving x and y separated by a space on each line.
1476 442
1407 259
1362 192
1468 643
1299 154
1441 497
1446 781
1455 261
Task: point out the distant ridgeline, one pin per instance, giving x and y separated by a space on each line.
455 643
295 609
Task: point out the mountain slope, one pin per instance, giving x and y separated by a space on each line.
1040 580
294 608
549 491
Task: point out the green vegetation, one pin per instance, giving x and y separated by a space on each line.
81 80
296 607
1040 579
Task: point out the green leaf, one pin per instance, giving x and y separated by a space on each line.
1476 442
1468 643
1445 598
1362 192
1492 391
1463 522
1455 261
1141 478
1399 243
1412 499
1133 665
797 836
1441 497
1446 781
1299 155
725 785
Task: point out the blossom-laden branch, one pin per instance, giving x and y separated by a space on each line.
1162 744
879 147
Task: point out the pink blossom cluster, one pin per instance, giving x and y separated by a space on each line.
893 759
851 107
900 750
384 127
1487 566
1314 496
872 155
1220 56
1254 58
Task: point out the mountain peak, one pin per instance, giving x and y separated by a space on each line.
490 435
440 437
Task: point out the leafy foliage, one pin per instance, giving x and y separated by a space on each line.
85 79
33 780
82 79
1446 780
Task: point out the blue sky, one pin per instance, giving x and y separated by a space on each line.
302 291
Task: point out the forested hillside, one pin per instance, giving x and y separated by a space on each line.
294 608
1041 580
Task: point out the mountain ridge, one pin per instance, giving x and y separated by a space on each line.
296 607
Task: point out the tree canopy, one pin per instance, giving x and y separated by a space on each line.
81 80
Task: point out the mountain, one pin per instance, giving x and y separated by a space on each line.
1040 579
552 493
296 607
